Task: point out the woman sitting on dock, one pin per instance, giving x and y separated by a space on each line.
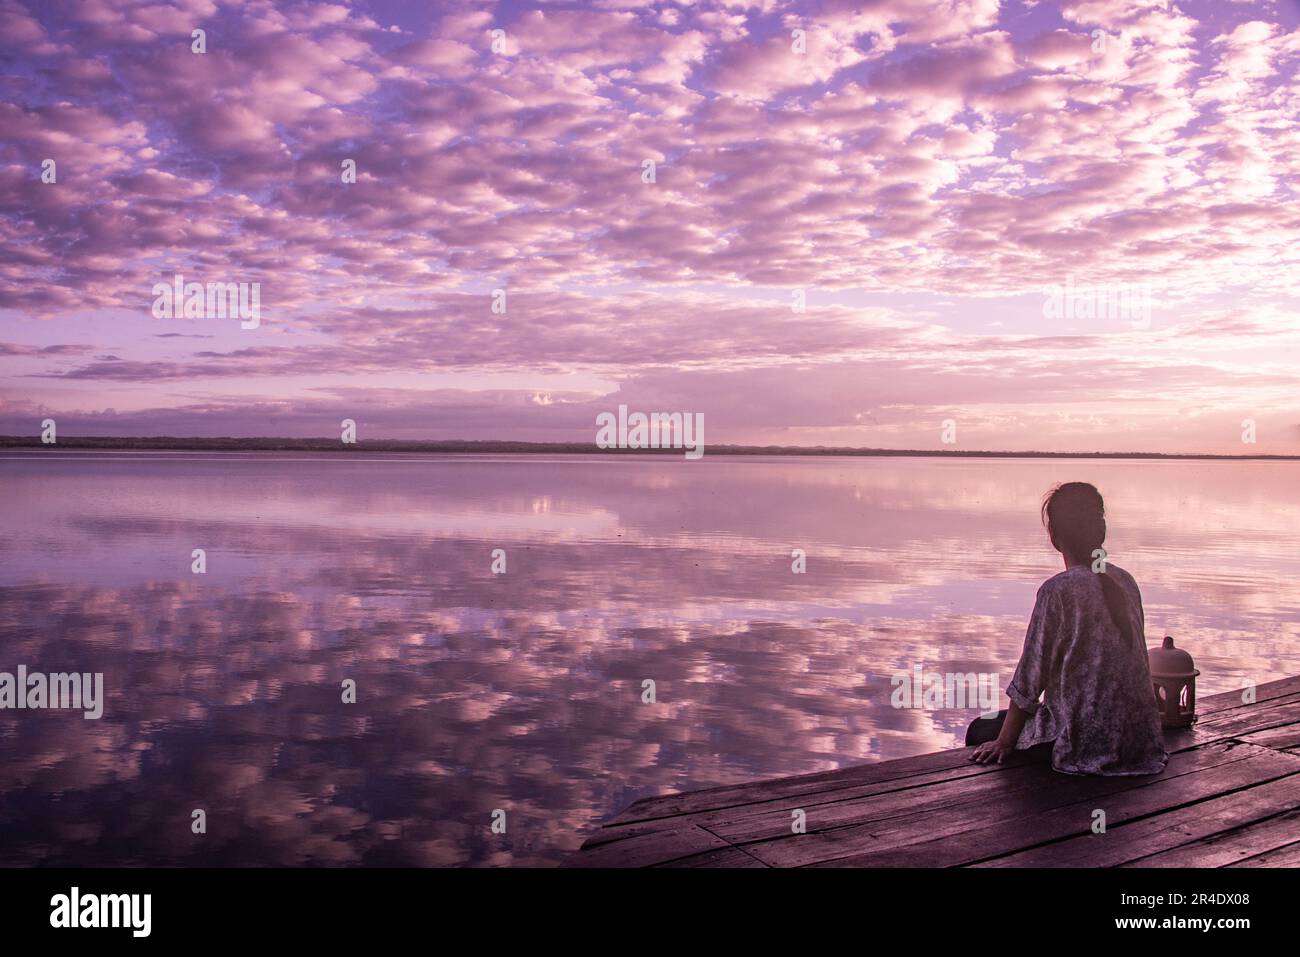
1085 655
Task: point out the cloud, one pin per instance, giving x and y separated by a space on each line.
915 153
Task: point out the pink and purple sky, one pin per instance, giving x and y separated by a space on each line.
921 172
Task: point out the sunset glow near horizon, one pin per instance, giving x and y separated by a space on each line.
919 172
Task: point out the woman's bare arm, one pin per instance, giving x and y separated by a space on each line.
1011 728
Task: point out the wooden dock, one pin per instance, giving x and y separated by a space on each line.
1230 797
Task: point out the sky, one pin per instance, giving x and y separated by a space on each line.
847 222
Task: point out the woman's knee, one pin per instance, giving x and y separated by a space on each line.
985 729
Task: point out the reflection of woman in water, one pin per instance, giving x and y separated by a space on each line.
1085 655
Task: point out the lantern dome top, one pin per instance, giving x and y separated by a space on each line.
1170 662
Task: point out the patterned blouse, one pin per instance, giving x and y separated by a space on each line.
1098 704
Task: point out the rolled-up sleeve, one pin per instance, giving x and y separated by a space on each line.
1033 671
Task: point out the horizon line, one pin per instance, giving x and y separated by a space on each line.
323 444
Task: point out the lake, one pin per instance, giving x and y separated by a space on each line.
524 692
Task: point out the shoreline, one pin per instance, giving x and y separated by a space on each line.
490 446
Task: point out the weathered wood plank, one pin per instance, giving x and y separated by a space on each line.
1022 789
1227 700
1186 825
1013 834
690 802
1288 856
1220 850
882 828
1234 723
1283 738
779 805
732 857
645 850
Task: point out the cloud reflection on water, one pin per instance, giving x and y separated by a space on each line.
523 691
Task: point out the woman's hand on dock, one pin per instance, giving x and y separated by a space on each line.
990 751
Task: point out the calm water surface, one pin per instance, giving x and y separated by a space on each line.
523 691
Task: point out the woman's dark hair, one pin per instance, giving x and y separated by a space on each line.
1075 516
